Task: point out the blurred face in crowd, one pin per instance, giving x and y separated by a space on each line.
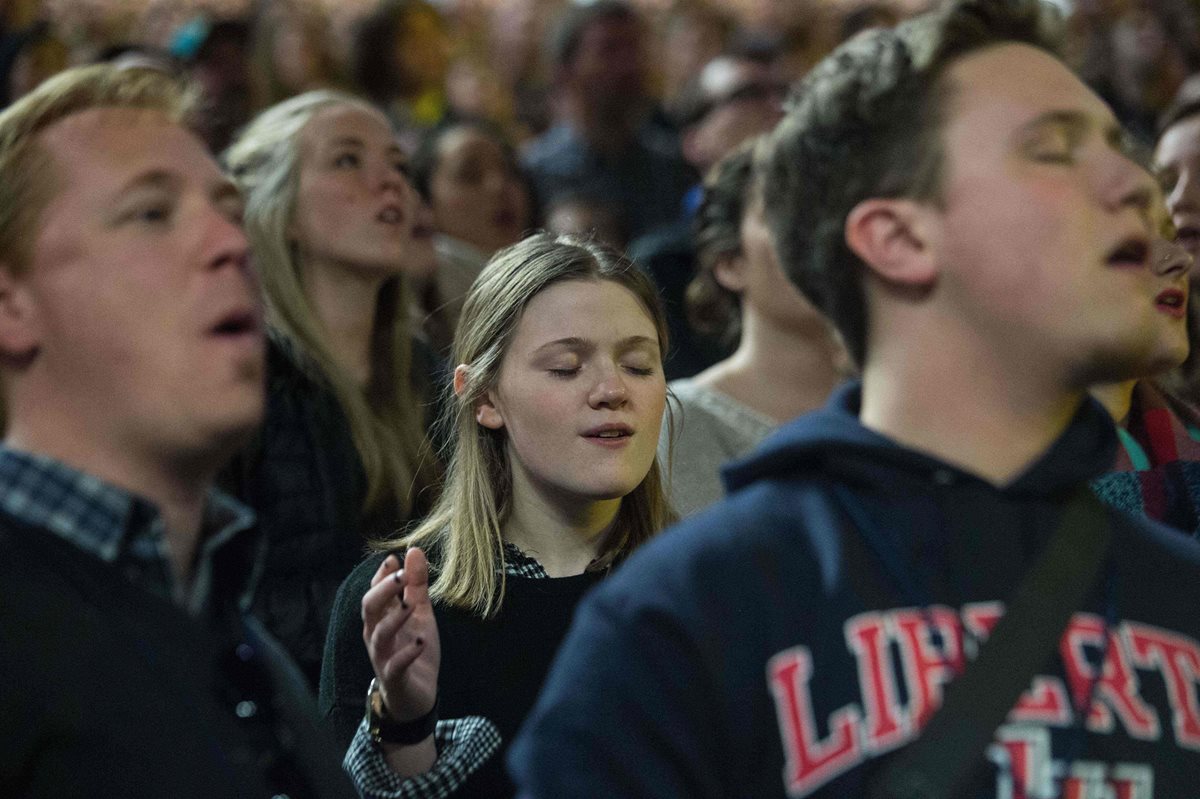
355 208
608 70
1171 264
475 190
143 313
1177 161
746 101
422 50
580 393
1042 235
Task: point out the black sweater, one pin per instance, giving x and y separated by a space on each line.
109 690
490 667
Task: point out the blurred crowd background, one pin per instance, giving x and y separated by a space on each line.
517 118
494 58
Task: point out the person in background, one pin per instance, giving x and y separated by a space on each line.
601 144
28 57
787 357
965 210
693 33
552 482
481 203
1177 166
736 96
131 348
291 52
216 56
399 59
337 231
585 217
1156 473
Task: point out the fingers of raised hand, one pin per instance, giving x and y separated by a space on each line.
416 571
381 597
389 566
392 631
401 659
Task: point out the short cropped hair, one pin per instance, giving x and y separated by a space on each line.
867 122
27 176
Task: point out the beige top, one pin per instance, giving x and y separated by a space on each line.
710 429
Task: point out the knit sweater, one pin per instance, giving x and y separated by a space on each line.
107 689
492 668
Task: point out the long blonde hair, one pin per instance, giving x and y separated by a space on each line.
384 419
465 526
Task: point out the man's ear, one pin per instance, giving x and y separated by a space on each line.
892 237
486 412
20 333
730 272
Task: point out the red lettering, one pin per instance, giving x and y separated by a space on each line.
1090 780
1117 687
1023 759
811 762
926 667
886 725
1178 660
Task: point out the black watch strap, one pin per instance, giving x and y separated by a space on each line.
384 730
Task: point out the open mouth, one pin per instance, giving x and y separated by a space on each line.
239 323
390 216
1172 302
1133 252
609 432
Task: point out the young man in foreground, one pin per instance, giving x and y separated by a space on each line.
960 205
131 362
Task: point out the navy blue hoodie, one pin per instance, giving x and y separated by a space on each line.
787 639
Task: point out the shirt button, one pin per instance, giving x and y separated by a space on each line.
245 709
943 477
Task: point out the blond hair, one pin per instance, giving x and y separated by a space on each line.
385 419
27 177
465 526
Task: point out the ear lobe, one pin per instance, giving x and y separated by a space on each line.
20 334
730 272
486 412
891 238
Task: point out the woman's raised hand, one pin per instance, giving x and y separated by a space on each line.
401 635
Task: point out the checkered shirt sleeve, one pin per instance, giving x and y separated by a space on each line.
463 746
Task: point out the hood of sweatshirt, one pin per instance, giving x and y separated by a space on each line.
833 442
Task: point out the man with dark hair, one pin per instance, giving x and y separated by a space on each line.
962 208
736 96
602 146
131 358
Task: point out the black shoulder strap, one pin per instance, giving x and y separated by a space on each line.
978 701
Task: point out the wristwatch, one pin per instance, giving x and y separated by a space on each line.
383 730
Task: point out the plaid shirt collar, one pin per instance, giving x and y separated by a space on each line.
114 525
